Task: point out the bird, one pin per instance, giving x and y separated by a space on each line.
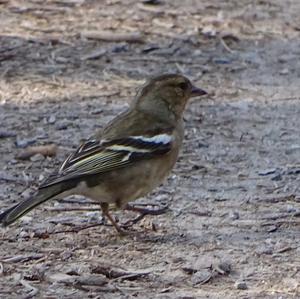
128 158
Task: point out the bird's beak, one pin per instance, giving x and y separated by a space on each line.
197 92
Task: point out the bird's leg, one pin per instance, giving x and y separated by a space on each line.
104 208
143 212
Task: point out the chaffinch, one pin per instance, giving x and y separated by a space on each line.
128 158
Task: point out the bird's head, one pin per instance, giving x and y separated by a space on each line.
167 95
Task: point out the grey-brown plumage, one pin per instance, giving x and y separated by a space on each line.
129 157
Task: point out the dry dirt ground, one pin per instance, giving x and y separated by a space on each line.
232 229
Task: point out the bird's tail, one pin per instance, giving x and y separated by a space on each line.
12 214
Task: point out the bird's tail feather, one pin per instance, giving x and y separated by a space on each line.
12 214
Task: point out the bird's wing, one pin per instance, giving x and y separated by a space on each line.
100 156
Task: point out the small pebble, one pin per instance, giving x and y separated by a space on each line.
201 277
25 194
97 111
35 118
120 48
22 143
13 161
272 228
63 125
41 177
234 215
277 177
284 72
241 285
23 234
26 219
263 250
52 119
37 157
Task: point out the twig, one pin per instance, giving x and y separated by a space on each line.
226 47
285 99
33 290
72 209
94 55
22 258
110 36
118 273
74 230
84 202
9 178
281 222
284 249
44 8
277 198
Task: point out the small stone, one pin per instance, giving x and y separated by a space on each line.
234 215
292 209
63 125
197 52
13 161
284 72
93 216
23 234
241 285
59 277
22 143
277 177
37 157
120 48
201 277
223 268
25 220
264 250
97 111
35 118
26 193
272 228
52 119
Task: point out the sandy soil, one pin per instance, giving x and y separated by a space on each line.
232 229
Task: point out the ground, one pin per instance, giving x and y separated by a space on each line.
232 228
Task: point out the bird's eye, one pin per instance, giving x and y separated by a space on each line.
183 85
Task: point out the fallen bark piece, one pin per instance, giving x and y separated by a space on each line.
112 272
87 280
22 258
94 55
12 179
110 36
6 134
49 150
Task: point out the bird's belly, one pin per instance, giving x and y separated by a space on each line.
123 186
